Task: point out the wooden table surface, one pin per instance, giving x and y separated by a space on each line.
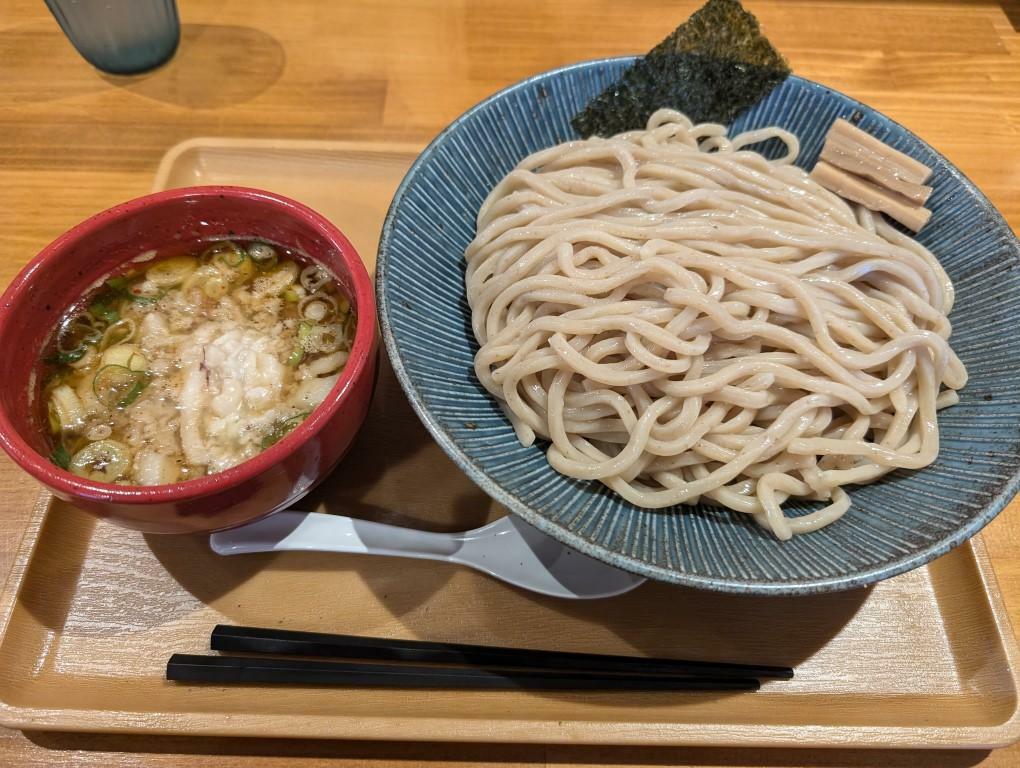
74 141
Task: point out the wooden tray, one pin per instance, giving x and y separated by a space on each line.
92 611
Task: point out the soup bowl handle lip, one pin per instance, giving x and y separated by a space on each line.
363 351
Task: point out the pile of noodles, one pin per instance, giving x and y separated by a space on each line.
685 320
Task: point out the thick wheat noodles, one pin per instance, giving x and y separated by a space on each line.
685 320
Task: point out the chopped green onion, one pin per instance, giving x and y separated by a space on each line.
104 460
263 255
317 307
282 428
172 271
61 457
116 386
141 384
101 310
126 355
225 252
314 278
232 259
321 338
63 358
296 356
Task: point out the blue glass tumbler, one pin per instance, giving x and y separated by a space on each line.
122 37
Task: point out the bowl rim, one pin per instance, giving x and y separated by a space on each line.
62 481
500 494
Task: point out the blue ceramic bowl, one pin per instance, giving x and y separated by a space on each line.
894 525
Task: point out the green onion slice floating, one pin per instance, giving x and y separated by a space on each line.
63 358
321 338
225 252
170 272
117 386
61 457
101 309
103 460
263 255
282 428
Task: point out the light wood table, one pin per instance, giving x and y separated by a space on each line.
73 141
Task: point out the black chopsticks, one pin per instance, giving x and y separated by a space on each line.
289 642
479 666
240 669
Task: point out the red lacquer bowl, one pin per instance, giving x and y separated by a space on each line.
57 278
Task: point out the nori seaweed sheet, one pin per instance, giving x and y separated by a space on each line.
712 68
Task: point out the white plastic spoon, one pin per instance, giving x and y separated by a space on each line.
508 549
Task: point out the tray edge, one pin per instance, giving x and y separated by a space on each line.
173 155
22 558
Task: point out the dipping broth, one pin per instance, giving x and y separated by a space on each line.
190 364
